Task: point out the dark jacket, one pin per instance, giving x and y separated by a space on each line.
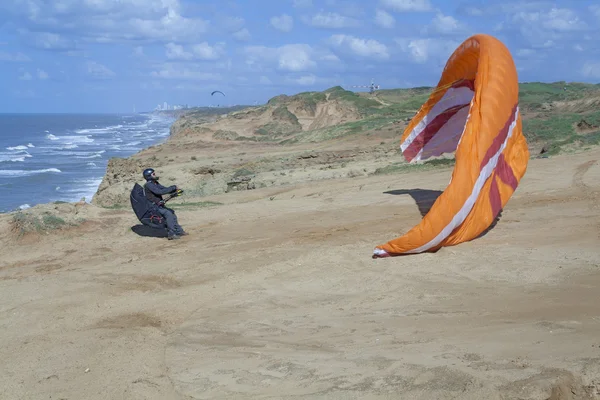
155 190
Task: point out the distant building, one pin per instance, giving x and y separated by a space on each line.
167 107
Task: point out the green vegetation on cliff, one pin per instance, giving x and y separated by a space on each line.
556 116
283 123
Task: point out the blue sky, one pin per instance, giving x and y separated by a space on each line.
109 55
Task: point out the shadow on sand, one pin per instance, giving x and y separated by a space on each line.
492 225
144 230
425 199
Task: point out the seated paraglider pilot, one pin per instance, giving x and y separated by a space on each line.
154 192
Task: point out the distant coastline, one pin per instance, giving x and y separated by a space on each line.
204 110
46 158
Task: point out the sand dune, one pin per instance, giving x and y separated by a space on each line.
275 295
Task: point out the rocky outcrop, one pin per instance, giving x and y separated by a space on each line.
121 174
282 119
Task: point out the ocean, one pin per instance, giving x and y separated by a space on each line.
62 157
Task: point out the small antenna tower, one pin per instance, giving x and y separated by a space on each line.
372 87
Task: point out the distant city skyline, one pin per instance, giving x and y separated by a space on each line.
172 107
167 107
105 56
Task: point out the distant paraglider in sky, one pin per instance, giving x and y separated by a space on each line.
474 111
217 91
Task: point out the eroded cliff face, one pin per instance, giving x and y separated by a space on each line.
200 143
280 119
121 174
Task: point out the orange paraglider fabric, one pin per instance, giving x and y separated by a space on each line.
474 111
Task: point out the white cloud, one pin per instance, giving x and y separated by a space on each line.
293 58
41 74
557 19
428 50
311 80
330 58
525 52
384 19
591 70
302 3
191 87
150 85
177 52
350 8
48 41
99 71
138 51
232 24
290 57
26 94
242 35
176 72
127 7
407 5
331 20
306 80
26 76
206 52
419 50
170 27
444 24
474 11
284 23
540 27
18 57
105 21
504 8
360 47
201 51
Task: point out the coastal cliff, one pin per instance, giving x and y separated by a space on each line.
239 149
323 135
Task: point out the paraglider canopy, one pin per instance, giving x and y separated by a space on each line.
217 91
474 111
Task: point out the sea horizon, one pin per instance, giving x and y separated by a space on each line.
49 157
76 113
